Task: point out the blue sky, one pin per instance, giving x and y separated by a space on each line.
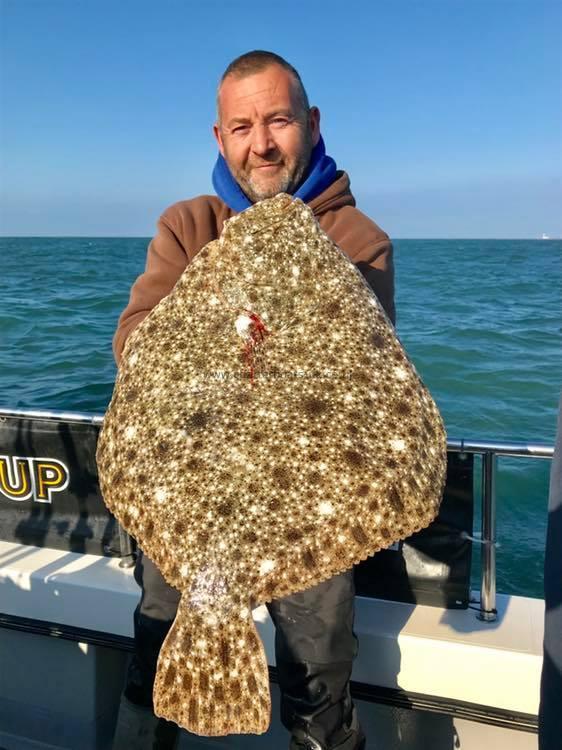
447 114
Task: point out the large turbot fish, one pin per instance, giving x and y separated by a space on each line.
266 432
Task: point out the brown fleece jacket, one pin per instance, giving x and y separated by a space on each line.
186 227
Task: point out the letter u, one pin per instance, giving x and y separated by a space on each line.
15 478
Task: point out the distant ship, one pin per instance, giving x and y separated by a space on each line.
544 236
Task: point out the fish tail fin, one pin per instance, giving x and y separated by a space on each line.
212 677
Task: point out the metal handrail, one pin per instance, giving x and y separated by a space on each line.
531 450
489 450
68 416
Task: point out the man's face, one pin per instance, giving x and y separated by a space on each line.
264 134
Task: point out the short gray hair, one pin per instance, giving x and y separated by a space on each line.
255 62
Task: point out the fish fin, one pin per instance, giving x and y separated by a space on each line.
212 677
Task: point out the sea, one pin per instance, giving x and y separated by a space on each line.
481 320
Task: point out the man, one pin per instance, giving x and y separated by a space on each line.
550 708
269 142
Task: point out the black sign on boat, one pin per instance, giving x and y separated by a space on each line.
49 492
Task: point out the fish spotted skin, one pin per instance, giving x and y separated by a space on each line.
266 432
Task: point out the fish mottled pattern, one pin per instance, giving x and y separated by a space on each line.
267 431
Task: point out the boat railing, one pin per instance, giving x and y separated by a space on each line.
488 450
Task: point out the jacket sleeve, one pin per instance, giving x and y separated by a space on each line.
377 266
165 262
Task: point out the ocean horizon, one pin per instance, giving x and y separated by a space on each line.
148 237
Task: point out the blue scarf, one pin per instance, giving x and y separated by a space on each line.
320 173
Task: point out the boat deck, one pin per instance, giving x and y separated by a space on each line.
423 673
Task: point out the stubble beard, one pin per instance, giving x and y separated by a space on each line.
286 181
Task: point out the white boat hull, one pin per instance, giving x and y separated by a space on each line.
434 679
